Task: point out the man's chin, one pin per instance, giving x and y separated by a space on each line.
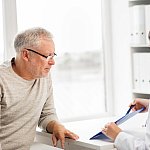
45 74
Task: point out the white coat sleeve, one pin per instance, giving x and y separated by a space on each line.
125 141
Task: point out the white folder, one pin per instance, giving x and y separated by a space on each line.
136 71
147 22
145 72
137 14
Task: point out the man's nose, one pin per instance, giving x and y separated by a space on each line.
51 62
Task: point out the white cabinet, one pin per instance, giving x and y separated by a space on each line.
140 47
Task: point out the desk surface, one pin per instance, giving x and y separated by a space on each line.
40 146
87 128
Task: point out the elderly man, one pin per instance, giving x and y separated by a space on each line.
26 94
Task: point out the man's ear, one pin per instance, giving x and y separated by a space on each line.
25 55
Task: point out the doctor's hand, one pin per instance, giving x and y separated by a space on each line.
60 132
111 130
140 103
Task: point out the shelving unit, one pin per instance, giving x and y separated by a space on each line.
140 51
138 2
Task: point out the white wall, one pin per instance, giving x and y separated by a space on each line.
121 55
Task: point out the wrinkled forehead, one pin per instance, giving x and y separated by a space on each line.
46 45
44 42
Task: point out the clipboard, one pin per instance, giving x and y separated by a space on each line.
121 120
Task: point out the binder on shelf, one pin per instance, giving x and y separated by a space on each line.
132 41
147 23
136 71
137 19
145 71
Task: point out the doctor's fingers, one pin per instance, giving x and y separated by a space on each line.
110 125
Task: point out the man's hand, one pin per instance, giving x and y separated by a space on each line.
59 132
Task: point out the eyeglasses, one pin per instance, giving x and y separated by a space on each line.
49 57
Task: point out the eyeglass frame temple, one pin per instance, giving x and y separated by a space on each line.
40 53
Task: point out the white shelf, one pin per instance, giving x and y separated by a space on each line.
138 91
139 2
136 46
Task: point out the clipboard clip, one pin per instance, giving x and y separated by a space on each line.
129 109
128 115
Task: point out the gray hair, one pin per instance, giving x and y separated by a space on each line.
31 38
